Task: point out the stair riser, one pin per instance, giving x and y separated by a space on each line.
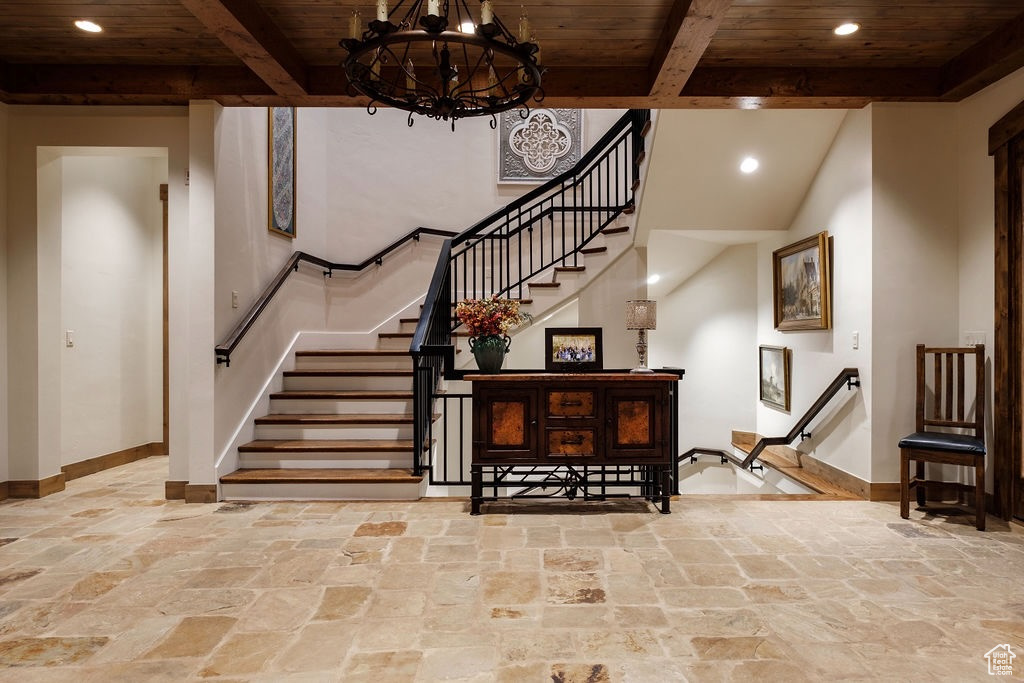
313 491
331 407
392 344
348 383
324 460
296 432
353 363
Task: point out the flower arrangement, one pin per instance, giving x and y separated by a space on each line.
490 317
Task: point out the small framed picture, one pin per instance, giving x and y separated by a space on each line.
572 349
774 374
802 285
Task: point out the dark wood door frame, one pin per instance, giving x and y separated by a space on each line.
1006 143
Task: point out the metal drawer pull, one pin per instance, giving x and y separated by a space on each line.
572 441
570 404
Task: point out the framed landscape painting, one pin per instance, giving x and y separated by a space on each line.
572 349
802 285
774 375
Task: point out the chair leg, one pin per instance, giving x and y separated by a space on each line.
904 484
979 493
920 486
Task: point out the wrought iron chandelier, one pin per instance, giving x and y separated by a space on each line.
439 61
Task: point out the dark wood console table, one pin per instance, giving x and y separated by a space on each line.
573 431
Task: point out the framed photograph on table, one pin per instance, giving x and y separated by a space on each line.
572 349
801 291
774 376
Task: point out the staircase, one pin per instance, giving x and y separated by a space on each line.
340 430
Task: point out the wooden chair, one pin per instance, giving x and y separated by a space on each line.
933 441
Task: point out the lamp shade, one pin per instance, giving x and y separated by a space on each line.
641 314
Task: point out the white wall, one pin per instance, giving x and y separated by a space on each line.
839 200
3 293
707 325
914 257
602 303
112 282
33 265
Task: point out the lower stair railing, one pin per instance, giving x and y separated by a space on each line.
849 378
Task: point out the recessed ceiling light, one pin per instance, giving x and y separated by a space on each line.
88 26
846 29
467 27
653 279
749 165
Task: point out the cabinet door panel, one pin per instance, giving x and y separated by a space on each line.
635 424
507 424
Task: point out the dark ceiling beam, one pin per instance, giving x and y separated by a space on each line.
248 31
690 27
114 84
774 83
993 57
616 87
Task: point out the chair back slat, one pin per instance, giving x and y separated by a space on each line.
949 404
962 392
950 389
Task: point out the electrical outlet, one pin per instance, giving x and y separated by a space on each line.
974 338
234 298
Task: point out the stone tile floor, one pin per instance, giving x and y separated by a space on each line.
107 581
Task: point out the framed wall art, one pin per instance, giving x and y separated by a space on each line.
801 289
572 349
281 146
540 147
774 375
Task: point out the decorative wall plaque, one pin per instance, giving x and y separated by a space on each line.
545 144
281 143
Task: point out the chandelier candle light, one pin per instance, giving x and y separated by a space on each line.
428 62
642 315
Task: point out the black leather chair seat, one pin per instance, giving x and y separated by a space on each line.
937 441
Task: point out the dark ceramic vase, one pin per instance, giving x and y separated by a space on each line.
489 352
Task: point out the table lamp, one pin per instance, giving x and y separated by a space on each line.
642 315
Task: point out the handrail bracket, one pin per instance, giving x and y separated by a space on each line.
852 382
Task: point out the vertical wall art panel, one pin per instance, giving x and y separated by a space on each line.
281 139
543 145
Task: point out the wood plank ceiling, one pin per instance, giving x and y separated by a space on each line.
609 53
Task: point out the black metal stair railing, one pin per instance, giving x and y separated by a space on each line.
224 350
848 377
549 226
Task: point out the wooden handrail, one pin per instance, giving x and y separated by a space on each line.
224 349
850 377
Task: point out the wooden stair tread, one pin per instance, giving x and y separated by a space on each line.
395 335
798 474
593 250
615 231
629 209
545 285
301 395
327 446
334 419
349 353
321 476
348 373
570 269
